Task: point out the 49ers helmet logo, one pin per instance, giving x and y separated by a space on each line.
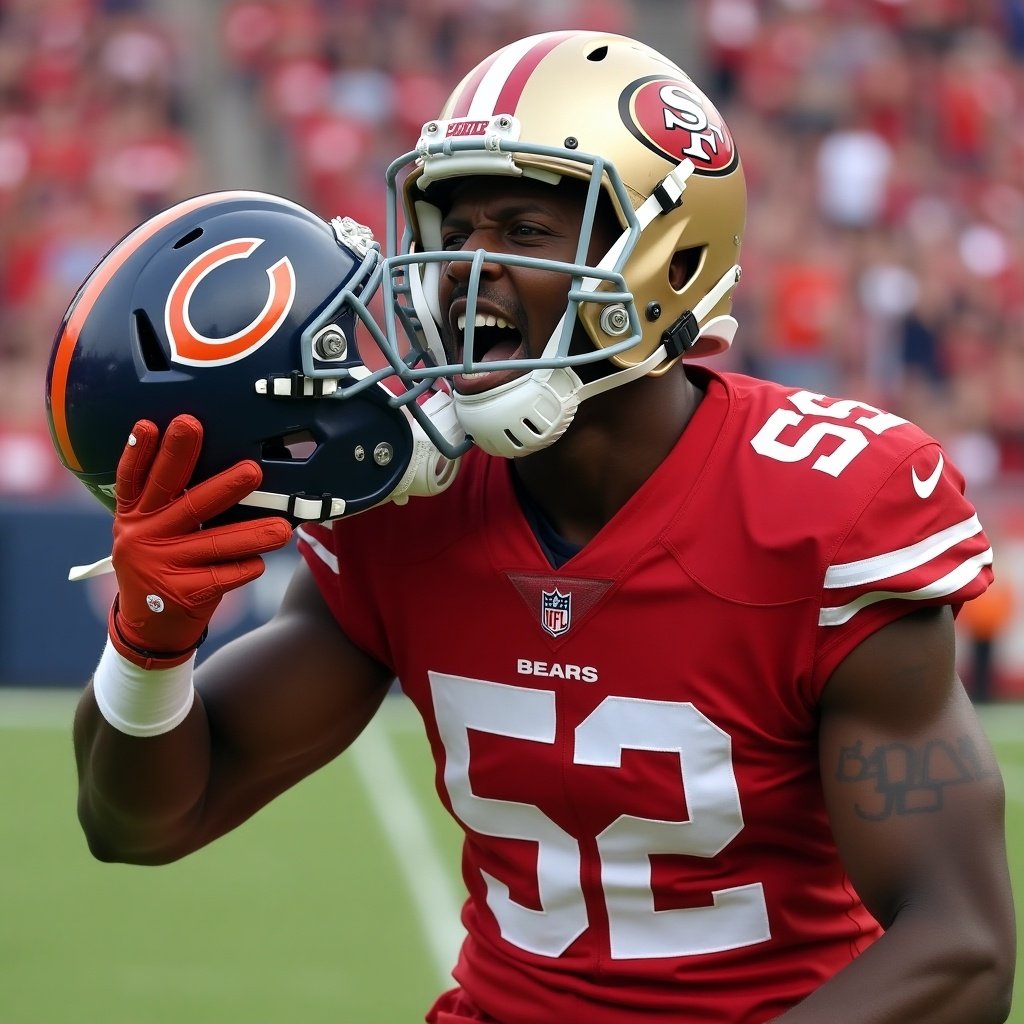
194 349
674 119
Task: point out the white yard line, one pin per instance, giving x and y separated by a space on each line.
417 853
418 856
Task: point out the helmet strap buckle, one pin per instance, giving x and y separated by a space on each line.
304 506
668 194
296 384
680 336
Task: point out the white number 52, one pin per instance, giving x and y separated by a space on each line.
731 917
852 438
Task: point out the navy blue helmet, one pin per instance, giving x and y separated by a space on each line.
242 309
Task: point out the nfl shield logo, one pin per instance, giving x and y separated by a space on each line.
555 611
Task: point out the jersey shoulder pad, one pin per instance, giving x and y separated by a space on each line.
795 473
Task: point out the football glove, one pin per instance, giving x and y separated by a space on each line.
171 571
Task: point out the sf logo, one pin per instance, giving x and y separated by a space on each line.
193 348
675 120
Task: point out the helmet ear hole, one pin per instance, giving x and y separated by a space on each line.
684 266
298 446
147 343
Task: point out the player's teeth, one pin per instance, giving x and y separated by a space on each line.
480 320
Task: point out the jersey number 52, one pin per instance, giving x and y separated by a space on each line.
733 917
800 445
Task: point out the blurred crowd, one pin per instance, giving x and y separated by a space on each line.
883 142
884 258
93 139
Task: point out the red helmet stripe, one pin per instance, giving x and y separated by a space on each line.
508 98
86 299
465 97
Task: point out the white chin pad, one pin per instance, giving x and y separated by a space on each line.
715 338
430 472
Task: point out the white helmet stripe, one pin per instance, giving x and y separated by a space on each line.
499 89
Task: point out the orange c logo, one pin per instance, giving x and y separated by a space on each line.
194 349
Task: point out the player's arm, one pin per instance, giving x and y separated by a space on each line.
916 803
164 769
271 707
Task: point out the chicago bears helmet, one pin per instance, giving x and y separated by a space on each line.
622 117
242 309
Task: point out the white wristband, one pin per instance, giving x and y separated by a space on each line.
138 701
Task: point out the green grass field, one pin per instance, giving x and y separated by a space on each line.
305 914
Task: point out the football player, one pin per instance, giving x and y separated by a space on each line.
682 641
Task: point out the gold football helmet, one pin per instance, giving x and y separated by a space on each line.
617 114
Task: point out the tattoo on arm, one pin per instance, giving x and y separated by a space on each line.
910 779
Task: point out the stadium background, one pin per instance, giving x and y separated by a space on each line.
883 142
884 146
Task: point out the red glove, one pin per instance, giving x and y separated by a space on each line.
171 574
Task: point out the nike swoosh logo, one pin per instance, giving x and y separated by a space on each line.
925 487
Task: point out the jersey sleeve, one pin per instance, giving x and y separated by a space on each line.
919 542
330 551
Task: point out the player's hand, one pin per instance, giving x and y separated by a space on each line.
171 574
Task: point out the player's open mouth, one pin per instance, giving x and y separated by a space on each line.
494 339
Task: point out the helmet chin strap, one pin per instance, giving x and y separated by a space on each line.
528 413
429 473
77 573
307 507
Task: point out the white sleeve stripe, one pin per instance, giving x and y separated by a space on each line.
327 557
892 563
948 584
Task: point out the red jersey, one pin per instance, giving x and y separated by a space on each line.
629 741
